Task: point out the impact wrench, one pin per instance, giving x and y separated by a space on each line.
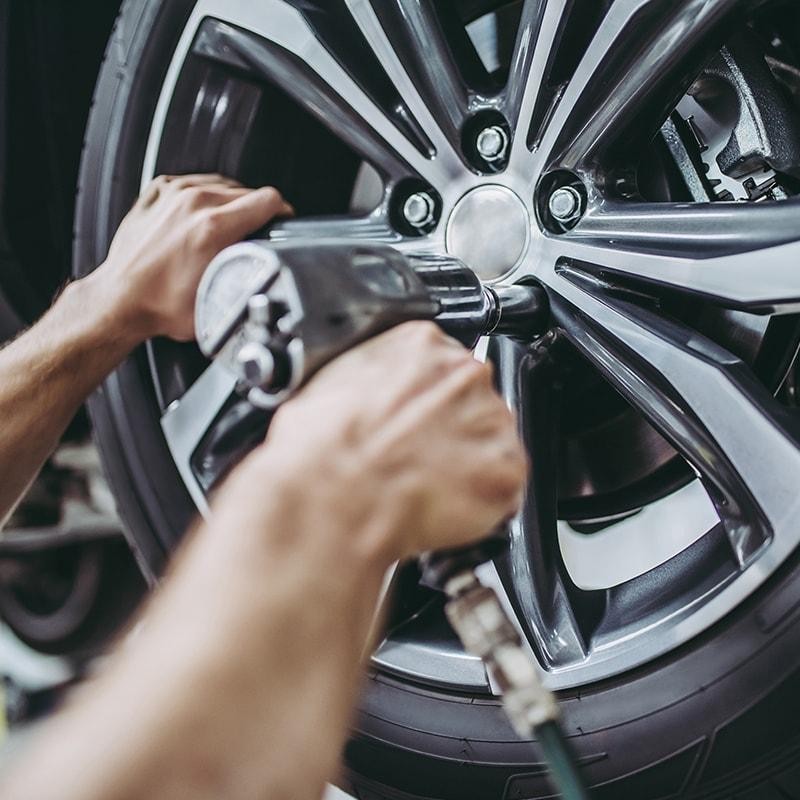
273 314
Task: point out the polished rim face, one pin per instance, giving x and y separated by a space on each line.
530 167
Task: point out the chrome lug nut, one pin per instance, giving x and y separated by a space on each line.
256 364
492 143
565 204
419 209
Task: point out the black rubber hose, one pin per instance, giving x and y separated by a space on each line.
564 773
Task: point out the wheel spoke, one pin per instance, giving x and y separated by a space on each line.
188 419
540 25
739 255
274 41
373 228
704 400
534 574
640 60
410 45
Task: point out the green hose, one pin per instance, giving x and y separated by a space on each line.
564 773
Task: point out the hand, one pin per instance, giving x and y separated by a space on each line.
165 243
405 433
398 446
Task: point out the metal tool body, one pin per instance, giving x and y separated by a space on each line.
274 314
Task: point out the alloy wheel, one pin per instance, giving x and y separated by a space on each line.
525 168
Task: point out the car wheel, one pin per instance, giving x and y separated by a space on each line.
69 599
638 158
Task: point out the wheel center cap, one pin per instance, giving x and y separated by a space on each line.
489 231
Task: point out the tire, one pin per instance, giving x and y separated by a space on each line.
716 717
49 57
103 590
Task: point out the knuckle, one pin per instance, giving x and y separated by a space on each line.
509 478
485 372
465 377
518 458
503 414
271 195
506 481
428 331
197 197
182 181
187 197
475 372
518 461
208 230
475 369
423 332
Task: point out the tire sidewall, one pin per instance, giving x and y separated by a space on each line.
152 500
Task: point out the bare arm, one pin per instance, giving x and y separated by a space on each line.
242 683
144 289
45 375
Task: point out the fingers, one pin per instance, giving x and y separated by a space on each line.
187 181
249 212
425 341
151 193
158 186
234 211
211 196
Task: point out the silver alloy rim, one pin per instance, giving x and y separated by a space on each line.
740 256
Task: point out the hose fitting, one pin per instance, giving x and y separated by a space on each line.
481 622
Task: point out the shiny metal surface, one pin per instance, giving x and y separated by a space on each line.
564 204
492 143
695 397
418 209
489 230
187 420
442 663
586 558
256 364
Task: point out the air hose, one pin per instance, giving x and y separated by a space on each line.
563 767
484 628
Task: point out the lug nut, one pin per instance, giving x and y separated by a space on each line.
492 143
419 209
565 204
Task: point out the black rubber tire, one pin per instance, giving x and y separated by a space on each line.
107 589
717 718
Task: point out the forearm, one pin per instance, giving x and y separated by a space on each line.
180 716
47 373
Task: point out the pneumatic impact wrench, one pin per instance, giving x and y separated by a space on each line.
273 314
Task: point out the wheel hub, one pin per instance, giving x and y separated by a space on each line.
489 230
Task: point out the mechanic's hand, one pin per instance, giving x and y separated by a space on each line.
167 240
406 430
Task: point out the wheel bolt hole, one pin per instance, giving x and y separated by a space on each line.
415 208
418 210
560 201
486 140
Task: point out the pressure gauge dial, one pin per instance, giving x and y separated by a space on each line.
231 279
